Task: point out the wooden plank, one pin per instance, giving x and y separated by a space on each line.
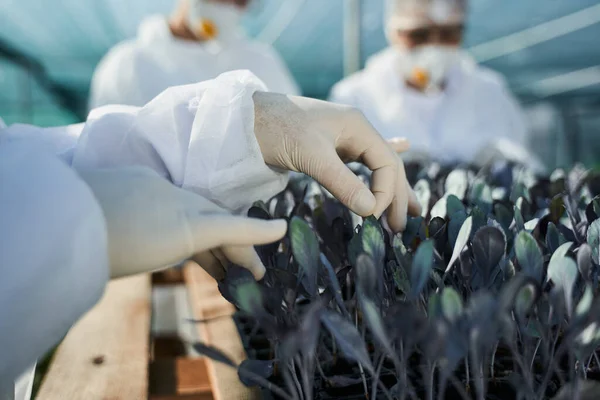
207 302
105 355
179 376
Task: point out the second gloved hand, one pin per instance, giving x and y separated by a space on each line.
316 138
153 224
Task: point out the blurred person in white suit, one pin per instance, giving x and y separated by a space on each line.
425 88
199 41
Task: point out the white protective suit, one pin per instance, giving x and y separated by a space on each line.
474 110
137 70
53 254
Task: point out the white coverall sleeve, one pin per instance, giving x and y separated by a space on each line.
53 254
60 140
199 136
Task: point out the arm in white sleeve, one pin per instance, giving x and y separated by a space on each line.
200 136
53 254
60 140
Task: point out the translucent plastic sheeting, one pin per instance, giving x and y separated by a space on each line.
70 36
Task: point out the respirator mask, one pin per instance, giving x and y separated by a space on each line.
214 22
427 66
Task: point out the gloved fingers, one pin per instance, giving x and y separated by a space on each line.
396 213
210 264
414 207
329 170
246 257
405 201
361 141
382 180
399 144
212 231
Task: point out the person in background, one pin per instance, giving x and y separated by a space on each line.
135 189
199 41
425 88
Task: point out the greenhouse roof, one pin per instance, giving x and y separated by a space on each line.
545 48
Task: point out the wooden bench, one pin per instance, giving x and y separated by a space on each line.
110 353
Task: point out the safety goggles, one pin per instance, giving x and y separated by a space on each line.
443 34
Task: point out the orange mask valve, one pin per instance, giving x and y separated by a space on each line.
420 77
207 29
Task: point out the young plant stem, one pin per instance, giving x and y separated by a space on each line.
535 354
364 380
402 372
360 367
583 368
443 382
467 372
376 377
524 370
296 381
320 369
385 391
429 375
576 392
478 376
542 389
306 388
493 360
290 383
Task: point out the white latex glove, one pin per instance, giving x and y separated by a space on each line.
153 224
317 137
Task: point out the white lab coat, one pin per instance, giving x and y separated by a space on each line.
475 110
53 256
137 70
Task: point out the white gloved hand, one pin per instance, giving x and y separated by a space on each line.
317 137
153 224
